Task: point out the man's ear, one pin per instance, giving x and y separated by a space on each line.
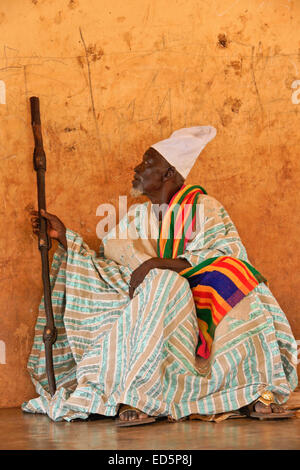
169 173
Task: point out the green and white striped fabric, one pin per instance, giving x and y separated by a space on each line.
111 350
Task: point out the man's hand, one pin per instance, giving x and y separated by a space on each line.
139 275
56 228
141 272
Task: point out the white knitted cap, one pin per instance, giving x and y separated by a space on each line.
184 146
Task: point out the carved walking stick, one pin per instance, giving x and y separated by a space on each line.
39 163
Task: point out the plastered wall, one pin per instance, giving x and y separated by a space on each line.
115 76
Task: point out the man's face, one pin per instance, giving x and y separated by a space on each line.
148 175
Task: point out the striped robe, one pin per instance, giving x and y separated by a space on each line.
141 352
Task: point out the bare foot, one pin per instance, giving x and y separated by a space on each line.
131 415
260 407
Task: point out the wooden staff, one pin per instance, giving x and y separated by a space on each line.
39 163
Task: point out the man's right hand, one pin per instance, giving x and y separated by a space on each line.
56 228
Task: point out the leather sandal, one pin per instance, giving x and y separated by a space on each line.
132 422
267 398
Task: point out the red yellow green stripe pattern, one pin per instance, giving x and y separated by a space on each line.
217 284
178 221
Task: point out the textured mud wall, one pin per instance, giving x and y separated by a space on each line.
115 77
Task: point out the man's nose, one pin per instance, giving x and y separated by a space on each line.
138 168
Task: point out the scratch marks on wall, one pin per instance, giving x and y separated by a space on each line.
87 54
122 97
164 114
254 79
228 9
8 157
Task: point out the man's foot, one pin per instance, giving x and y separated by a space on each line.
132 415
129 416
269 410
260 407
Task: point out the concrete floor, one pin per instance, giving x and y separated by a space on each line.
24 431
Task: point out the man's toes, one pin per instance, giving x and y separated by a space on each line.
277 408
123 417
129 415
262 408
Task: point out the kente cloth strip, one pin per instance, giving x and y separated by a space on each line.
179 221
217 284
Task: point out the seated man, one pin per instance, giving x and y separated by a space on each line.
172 324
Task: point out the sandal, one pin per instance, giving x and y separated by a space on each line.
267 398
132 422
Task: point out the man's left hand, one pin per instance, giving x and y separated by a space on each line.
141 272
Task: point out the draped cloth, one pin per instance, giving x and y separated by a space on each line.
217 284
141 352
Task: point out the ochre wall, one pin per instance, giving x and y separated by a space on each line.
114 77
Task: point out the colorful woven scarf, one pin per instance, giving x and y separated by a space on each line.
217 284
178 221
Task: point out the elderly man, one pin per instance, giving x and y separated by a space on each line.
169 319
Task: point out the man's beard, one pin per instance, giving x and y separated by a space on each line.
136 192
